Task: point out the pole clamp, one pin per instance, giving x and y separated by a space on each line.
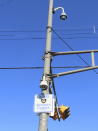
49 27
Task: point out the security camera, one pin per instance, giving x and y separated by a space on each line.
63 16
44 84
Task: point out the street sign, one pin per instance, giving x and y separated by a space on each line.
44 103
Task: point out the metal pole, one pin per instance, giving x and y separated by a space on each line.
73 52
93 58
43 120
73 71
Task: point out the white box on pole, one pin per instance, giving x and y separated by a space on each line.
44 103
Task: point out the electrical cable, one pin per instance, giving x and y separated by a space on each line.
9 68
53 85
31 38
54 89
70 48
88 29
82 33
25 31
79 37
5 35
44 30
42 38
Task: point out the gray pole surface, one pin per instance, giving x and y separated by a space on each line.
43 120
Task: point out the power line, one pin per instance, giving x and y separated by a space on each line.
44 30
11 68
78 37
70 48
82 33
32 38
24 31
5 35
43 38
86 29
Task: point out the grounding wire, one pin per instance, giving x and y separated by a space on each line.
54 89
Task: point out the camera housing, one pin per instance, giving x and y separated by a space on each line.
63 16
44 83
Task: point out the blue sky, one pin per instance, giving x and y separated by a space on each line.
18 87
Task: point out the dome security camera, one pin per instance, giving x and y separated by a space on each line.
63 16
44 83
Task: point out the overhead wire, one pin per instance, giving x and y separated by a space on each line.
39 67
74 29
43 30
25 31
71 48
76 35
79 37
42 38
5 35
58 36
11 68
82 33
35 38
57 29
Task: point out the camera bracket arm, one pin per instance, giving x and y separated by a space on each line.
55 9
63 15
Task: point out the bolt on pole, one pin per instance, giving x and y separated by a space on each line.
43 117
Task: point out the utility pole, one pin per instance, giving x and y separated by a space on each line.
43 120
46 80
52 109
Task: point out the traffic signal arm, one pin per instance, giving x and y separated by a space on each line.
73 52
73 71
